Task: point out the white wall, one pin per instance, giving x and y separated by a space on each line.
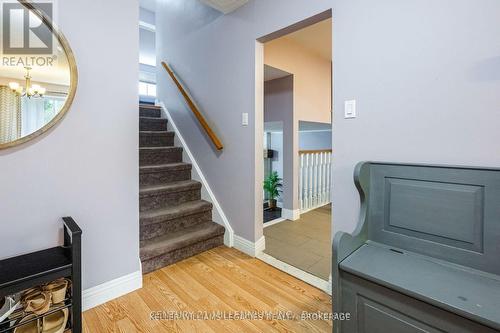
277 160
147 47
87 166
147 16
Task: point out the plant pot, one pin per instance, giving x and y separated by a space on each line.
272 204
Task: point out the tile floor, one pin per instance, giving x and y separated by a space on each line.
272 214
305 243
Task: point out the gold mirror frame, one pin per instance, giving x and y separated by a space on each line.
73 77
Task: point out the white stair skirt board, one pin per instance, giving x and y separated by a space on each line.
206 192
110 290
290 214
308 278
248 247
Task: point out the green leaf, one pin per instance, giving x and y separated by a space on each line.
272 185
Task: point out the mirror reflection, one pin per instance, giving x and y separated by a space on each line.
33 91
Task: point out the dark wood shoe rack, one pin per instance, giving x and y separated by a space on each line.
35 269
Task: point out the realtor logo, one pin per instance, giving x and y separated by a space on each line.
23 31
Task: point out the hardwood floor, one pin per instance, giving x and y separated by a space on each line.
221 281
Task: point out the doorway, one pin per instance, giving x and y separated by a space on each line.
296 136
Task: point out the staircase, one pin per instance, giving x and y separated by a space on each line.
174 222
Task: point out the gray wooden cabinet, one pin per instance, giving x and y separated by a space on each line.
425 256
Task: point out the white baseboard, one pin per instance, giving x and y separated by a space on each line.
206 191
330 284
110 290
290 214
248 247
275 221
314 281
303 211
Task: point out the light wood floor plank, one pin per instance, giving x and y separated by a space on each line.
220 280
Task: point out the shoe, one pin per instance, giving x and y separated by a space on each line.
32 327
58 290
55 322
36 301
8 305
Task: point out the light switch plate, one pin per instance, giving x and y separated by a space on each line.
350 109
244 119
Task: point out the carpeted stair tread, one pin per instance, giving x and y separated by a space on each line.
164 173
152 124
175 223
156 139
160 148
159 155
174 212
165 167
153 118
184 185
149 106
149 111
169 133
180 239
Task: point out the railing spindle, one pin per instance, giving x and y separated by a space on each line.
314 179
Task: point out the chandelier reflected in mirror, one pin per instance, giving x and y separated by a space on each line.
35 90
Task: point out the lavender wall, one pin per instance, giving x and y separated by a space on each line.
279 107
425 74
315 140
426 77
215 57
87 166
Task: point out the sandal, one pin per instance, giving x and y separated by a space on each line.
58 290
55 322
36 301
8 305
32 327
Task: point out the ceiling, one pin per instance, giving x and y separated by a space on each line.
317 38
273 73
225 6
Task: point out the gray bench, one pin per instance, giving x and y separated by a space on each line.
425 256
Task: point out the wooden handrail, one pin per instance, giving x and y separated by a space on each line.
211 134
314 151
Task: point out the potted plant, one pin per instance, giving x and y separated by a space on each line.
272 186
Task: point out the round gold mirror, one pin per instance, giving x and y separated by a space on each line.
38 74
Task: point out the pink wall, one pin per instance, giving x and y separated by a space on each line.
312 78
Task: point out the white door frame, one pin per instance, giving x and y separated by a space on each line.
258 150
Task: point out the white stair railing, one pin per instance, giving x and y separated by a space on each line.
315 180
